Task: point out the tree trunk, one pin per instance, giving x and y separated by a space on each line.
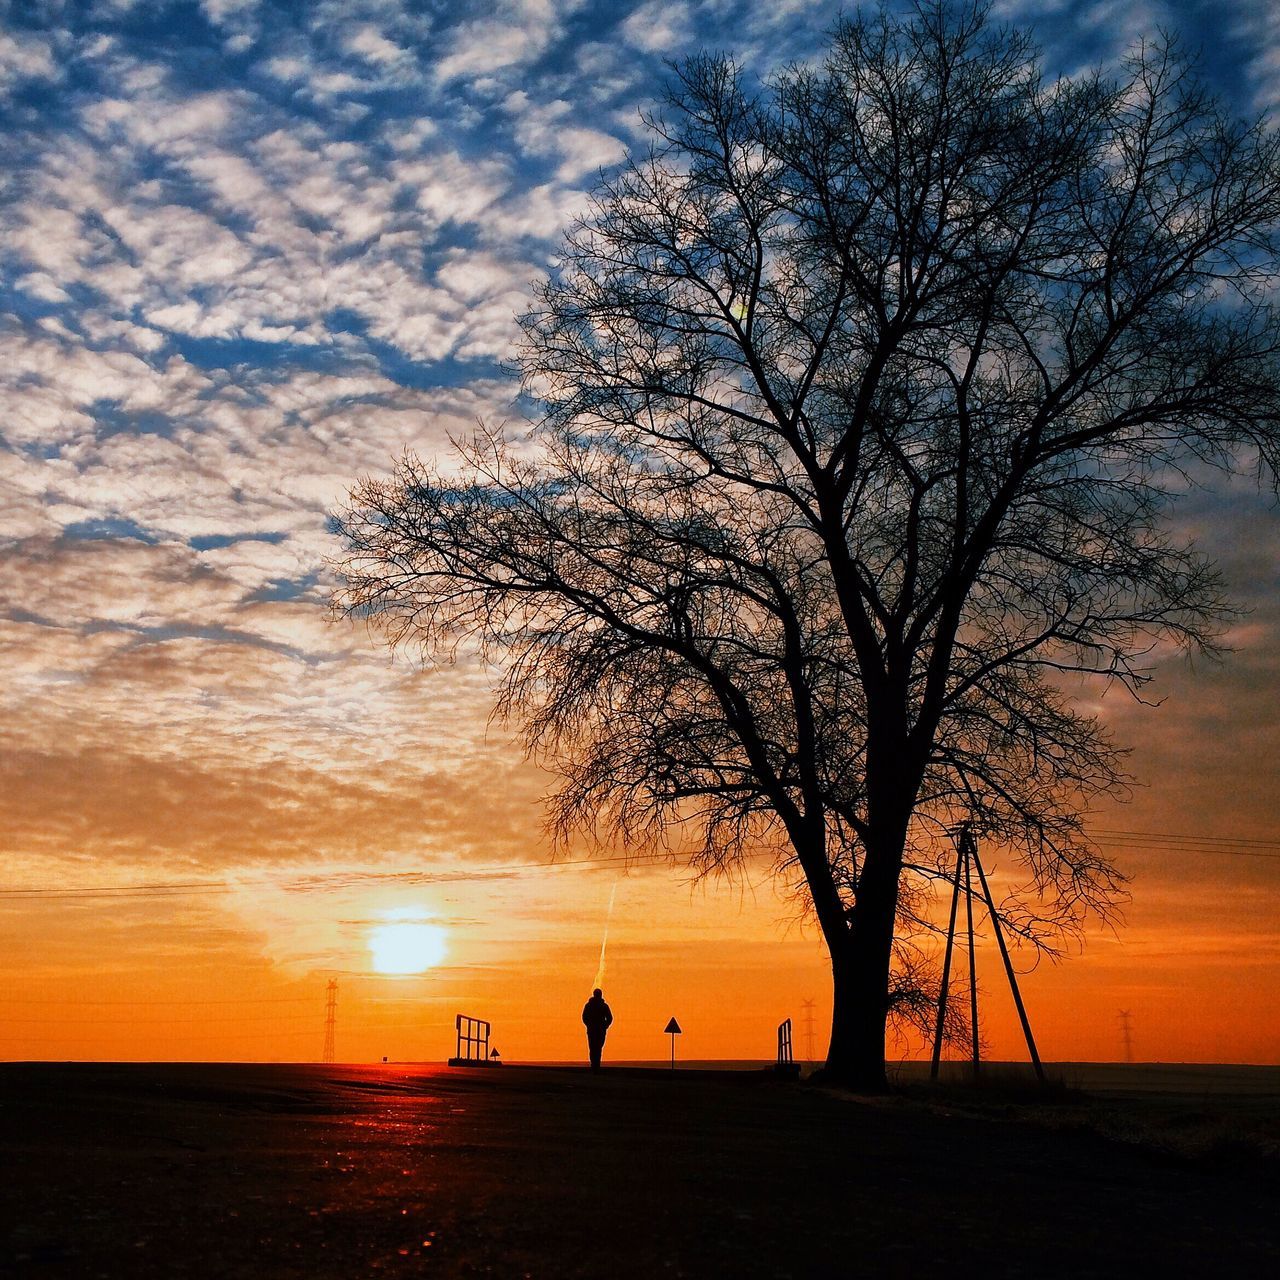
855 1058
860 963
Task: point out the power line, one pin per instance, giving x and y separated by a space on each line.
335 880
1168 842
1163 841
159 1022
217 1037
58 1032
1197 839
1155 841
143 1000
379 1001
1135 846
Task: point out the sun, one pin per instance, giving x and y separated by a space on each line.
405 946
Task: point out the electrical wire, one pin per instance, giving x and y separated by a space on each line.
336 880
1154 841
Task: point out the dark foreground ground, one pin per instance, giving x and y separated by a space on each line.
229 1171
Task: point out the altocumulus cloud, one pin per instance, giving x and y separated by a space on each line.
249 251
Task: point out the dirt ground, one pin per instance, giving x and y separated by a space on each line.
248 1171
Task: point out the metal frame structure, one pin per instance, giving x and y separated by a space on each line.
967 859
786 1065
472 1034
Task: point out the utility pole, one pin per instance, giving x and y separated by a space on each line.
961 854
970 847
807 1006
330 1018
966 857
1125 1018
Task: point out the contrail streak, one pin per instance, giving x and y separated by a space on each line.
604 942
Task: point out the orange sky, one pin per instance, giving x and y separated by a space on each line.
319 781
238 970
241 974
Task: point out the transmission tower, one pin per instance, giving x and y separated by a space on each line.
1126 1033
330 1018
807 1006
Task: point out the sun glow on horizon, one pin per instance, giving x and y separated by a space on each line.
406 946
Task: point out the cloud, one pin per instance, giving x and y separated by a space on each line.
158 708
265 243
1251 36
517 33
660 26
547 130
222 11
220 443
25 57
482 47
107 809
367 42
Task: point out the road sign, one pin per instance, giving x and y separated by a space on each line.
673 1029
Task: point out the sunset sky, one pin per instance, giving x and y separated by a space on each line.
252 251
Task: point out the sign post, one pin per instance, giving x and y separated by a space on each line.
673 1029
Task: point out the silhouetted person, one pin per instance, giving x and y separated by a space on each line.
596 1017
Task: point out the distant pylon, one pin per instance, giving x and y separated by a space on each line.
330 1018
807 1006
1126 1032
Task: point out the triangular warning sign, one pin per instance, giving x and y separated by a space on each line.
673 1028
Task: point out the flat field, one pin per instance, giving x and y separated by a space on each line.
299 1170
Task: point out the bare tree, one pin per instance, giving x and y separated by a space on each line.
864 397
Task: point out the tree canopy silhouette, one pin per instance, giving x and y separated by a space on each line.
863 395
